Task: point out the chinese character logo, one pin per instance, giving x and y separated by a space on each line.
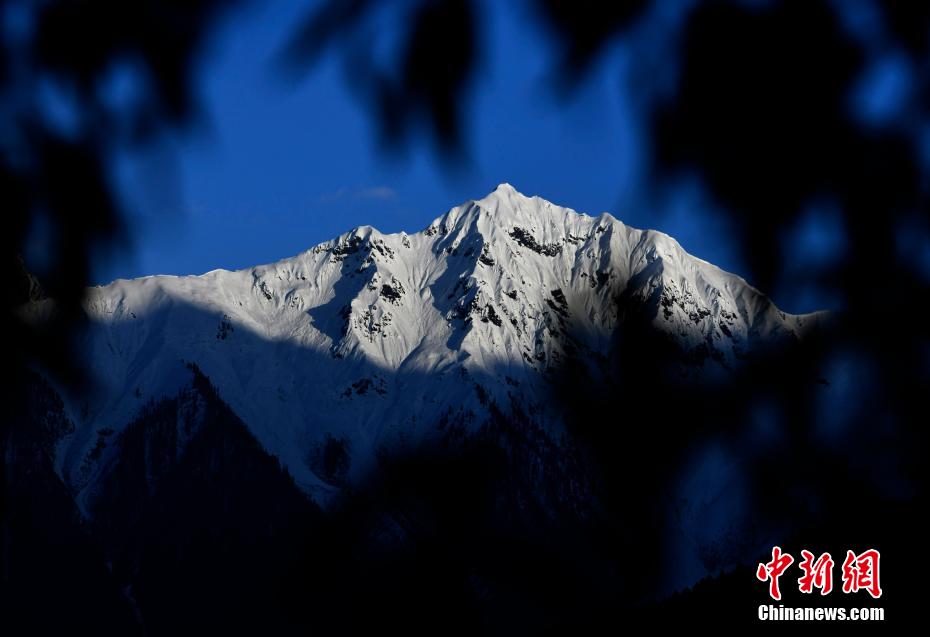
817 574
773 570
861 572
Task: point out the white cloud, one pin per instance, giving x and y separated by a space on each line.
377 192
381 193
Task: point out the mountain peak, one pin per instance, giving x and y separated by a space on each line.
503 192
505 187
499 291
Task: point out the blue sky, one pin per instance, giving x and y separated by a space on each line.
275 168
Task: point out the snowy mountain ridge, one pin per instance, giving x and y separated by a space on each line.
374 341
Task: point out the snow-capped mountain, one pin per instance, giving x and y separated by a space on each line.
372 341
